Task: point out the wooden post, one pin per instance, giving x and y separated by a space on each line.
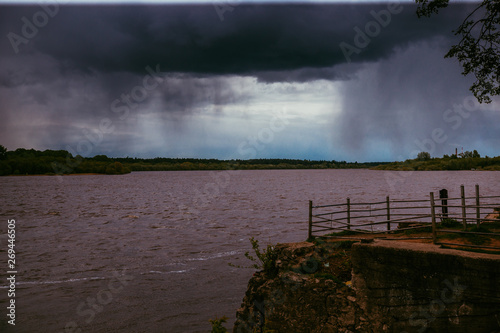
478 210
433 215
348 214
443 195
309 234
464 217
388 213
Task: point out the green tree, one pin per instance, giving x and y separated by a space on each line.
5 168
101 158
475 154
3 152
467 154
116 168
423 156
477 50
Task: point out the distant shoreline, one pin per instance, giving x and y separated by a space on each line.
60 162
103 174
52 175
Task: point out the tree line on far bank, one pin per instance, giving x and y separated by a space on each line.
56 162
52 162
468 160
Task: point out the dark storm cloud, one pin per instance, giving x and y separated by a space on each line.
64 80
251 39
183 92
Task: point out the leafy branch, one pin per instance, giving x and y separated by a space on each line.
264 259
217 325
477 51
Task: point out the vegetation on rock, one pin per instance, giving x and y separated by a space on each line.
217 325
308 292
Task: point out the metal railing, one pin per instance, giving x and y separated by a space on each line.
391 215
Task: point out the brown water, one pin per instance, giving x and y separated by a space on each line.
149 251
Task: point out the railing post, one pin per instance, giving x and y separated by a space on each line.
464 217
478 210
388 213
348 214
309 234
443 195
433 215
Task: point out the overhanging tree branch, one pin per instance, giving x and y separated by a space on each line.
477 51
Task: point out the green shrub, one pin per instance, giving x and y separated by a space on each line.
347 244
217 325
450 223
478 229
265 259
477 239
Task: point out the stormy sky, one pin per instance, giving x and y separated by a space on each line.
234 80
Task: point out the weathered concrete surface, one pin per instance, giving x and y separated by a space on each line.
416 287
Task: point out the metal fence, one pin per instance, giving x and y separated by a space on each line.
470 211
389 215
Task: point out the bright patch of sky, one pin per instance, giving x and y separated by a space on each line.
274 115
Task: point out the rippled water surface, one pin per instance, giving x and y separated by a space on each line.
149 251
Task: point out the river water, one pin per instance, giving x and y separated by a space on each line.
149 251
